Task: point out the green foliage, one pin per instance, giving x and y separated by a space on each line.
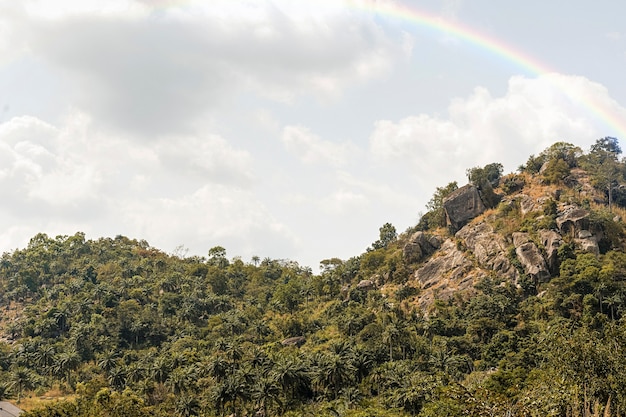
568 155
602 163
123 329
435 216
387 235
512 183
490 173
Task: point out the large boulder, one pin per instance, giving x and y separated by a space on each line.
294 341
366 285
420 246
450 264
448 273
463 205
551 241
489 249
531 258
572 219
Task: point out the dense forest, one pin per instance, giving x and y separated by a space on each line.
433 321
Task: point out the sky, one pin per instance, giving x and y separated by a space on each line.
288 129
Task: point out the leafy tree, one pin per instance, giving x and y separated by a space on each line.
387 235
602 162
490 173
436 216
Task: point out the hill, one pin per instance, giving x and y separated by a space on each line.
506 298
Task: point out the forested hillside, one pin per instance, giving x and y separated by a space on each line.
506 299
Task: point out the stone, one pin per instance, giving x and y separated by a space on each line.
366 285
589 244
520 238
463 205
526 204
531 259
294 341
572 219
420 246
551 241
451 264
489 248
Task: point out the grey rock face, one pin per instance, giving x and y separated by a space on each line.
451 264
589 244
526 204
531 258
489 248
572 219
366 285
420 246
294 341
463 205
551 241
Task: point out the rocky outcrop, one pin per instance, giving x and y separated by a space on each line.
463 205
588 242
572 219
446 273
420 246
489 248
294 341
530 257
450 264
366 285
526 204
551 241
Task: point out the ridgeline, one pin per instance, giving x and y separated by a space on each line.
506 299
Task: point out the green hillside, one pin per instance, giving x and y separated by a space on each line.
506 299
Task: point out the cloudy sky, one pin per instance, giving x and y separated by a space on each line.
286 128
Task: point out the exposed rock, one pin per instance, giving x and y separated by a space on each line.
294 341
526 204
520 238
589 244
489 248
551 241
530 257
451 264
366 285
420 246
463 205
572 219
449 271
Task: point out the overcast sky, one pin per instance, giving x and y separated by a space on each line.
283 129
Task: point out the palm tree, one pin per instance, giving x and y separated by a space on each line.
265 392
66 362
187 406
44 357
291 374
332 372
20 378
117 377
108 360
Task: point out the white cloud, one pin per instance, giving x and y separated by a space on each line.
210 157
311 149
211 215
156 70
614 35
480 129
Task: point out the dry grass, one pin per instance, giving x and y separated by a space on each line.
31 402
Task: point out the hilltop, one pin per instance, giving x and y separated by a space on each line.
505 299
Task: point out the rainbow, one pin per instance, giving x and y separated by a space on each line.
609 113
